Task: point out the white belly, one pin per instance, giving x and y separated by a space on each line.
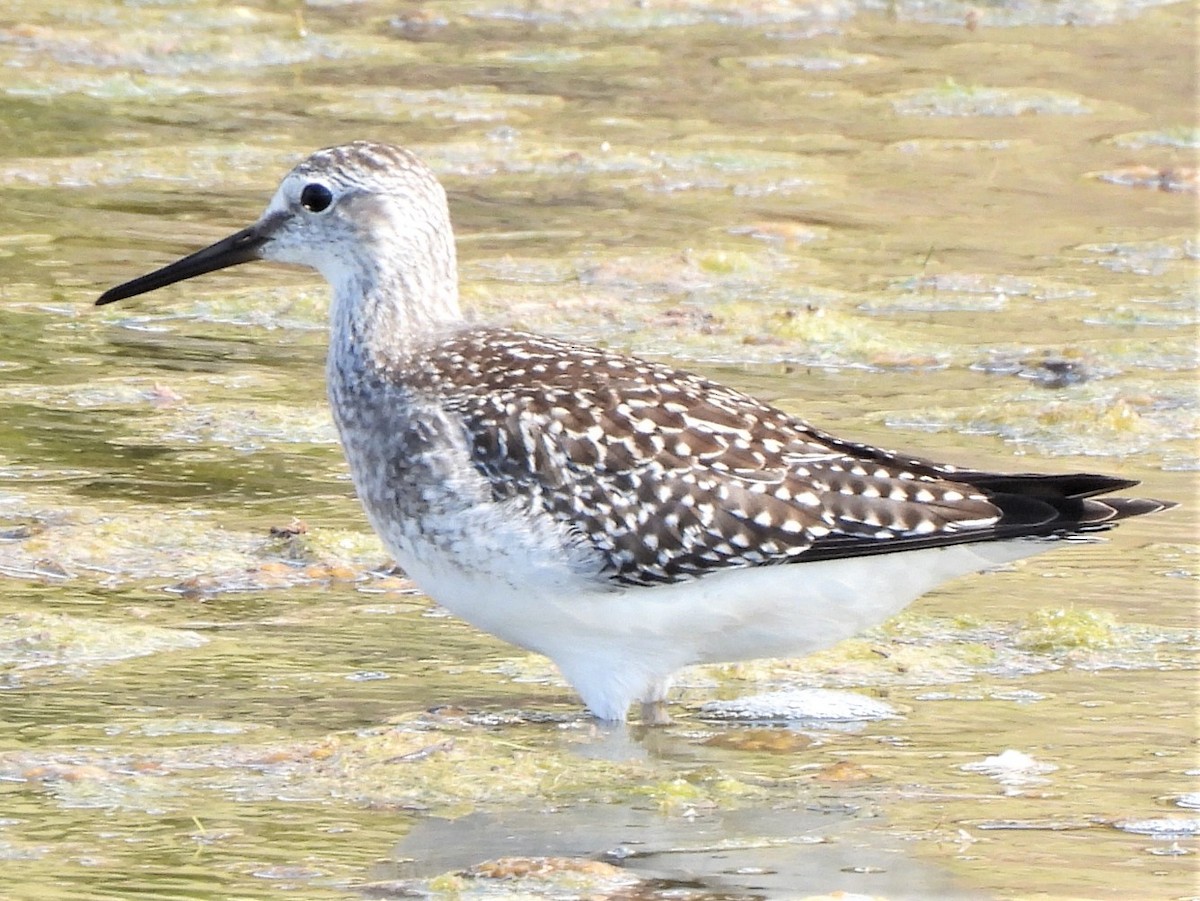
615 645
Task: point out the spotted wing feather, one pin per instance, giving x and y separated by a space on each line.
668 475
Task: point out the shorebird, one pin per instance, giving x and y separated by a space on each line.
622 517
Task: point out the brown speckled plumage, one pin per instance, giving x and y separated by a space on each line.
667 474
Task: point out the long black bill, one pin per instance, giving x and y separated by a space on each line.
237 248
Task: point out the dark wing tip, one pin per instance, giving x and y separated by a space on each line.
1050 486
1127 507
1071 498
1030 505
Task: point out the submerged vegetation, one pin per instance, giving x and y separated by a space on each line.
949 229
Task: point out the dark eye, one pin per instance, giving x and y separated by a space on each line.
316 198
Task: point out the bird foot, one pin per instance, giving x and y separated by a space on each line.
654 713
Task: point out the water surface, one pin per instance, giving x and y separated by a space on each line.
968 231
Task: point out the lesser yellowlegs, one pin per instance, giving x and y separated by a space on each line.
619 516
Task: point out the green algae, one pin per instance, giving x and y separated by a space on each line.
436 766
196 555
699 790
330 546
462 104
1181 137
534 877
1066 629
824 62
697 181
858 663
1098 420
818 333
199 166
917 651
954 99
39 640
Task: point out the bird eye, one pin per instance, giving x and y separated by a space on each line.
316 198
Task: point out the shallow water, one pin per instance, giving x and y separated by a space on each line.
969 231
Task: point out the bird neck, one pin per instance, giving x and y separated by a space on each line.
384 310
